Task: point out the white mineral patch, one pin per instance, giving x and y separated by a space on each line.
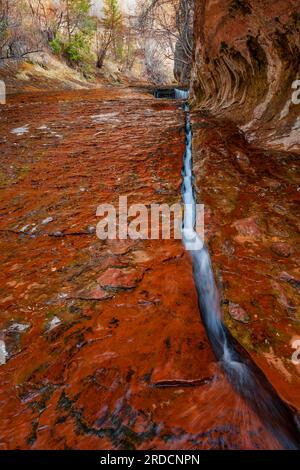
3 353
285 111
20 327
292 139
62 295
26 227
47 221
54 323
20 130
98 118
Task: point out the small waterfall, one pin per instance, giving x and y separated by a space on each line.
171 94
245 377
181 94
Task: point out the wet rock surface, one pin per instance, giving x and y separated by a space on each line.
252 231
109 351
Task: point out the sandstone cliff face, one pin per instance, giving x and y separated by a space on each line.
246 60
247 57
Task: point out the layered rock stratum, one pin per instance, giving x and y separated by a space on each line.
246 62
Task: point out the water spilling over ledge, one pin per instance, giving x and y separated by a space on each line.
171 93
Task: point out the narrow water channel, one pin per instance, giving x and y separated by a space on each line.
245 377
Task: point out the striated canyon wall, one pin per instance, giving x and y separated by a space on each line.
247 58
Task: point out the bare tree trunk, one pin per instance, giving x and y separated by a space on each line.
101 58
68 19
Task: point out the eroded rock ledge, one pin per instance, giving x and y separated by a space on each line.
247 57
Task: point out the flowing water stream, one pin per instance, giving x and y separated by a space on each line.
245 377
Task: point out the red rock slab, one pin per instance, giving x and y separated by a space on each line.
83 375
125 278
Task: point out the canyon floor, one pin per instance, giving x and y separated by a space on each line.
102 342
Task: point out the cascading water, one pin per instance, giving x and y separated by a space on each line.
181 94
246 378
171 93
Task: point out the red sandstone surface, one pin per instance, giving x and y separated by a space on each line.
105 348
